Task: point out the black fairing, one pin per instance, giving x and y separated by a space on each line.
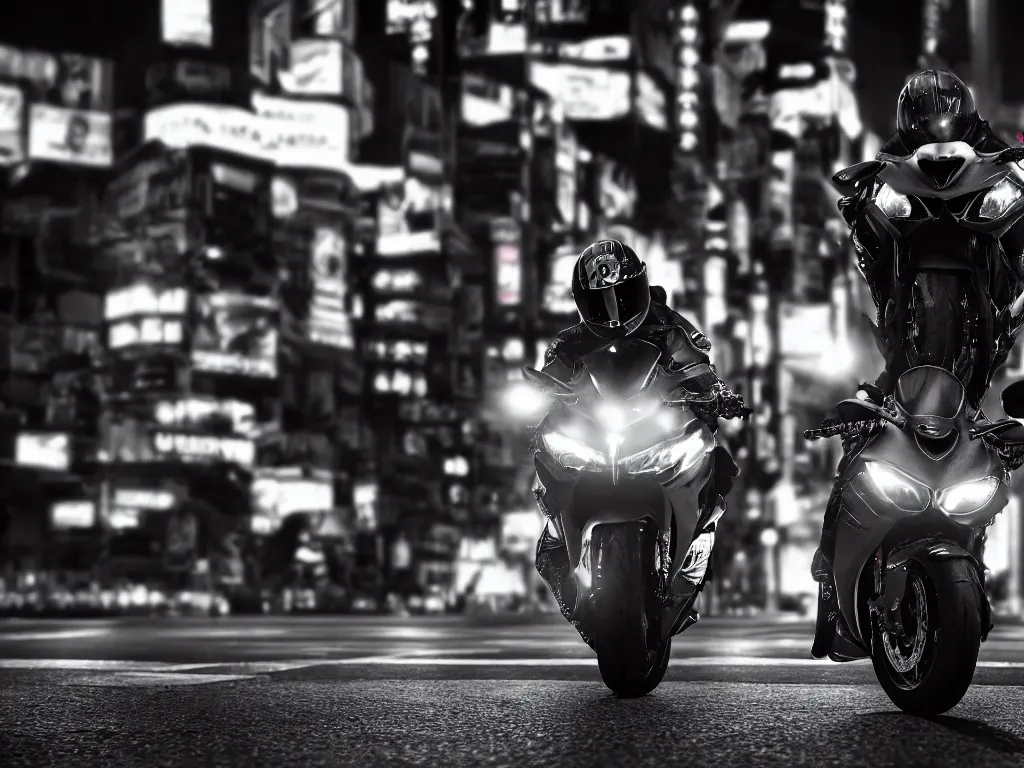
624 369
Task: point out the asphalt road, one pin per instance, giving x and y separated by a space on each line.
284 691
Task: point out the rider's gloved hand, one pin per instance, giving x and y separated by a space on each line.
729 404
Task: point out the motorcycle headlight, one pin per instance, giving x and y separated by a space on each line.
964 498
1000 199
617 417
680 454
570 452
892 203
898 488
612 417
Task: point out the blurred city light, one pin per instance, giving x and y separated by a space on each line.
839 359
525 401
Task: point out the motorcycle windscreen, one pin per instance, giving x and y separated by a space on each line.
931 398
624 369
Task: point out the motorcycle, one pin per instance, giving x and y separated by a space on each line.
938 234
916 496
639 527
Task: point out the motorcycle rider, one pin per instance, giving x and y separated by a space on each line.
615 299
934 107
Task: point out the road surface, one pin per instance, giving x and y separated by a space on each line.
345 691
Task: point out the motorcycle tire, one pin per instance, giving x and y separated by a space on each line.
949 642
623 608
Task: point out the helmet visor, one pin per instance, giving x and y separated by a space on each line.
617 305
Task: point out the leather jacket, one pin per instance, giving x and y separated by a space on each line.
684 355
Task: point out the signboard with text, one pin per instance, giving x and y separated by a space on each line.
294 134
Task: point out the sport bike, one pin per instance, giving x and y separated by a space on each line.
916 493
627 438
939 236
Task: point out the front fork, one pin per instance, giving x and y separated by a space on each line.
890 587
890 584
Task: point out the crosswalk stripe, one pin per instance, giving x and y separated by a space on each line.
243 669
59 634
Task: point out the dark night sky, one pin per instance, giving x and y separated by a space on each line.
885 40
884 44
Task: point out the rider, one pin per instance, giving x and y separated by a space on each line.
934 107
615 300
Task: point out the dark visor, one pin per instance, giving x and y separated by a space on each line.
617 305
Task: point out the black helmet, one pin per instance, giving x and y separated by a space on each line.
935 107
610 288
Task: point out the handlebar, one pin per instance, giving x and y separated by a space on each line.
838 427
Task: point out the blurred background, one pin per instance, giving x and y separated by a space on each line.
269 271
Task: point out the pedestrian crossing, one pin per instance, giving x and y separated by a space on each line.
210 672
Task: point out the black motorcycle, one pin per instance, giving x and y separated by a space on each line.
916 496
640 525
939 233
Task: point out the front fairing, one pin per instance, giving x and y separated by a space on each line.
593 489
966 460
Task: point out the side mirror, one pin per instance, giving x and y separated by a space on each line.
547 382
1012 400
861 410
850 179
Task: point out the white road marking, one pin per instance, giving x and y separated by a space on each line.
98 665
244 633
57 634
251 668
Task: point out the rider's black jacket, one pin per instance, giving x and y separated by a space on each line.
684 353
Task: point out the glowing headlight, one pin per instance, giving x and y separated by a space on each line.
570 452
900 489
681 455
999 199
892 203
969 497
612 418
618 417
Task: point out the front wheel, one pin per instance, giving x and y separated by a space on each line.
928 670
623 608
